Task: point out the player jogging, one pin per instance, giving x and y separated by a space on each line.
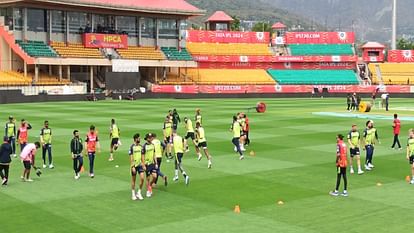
175 119
23 134
370 138
159 147
167 131
341 163
202 143
135 159
354 139
410 153
178 143
5 160
28 158
149 163
236 129
190 134
396 129
114 136
76 149
46 140
198 118
10 132
91 144
242 122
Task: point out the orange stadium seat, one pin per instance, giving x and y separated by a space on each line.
141 53
75 50
230 76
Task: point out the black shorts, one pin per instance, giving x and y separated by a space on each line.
168 140
27 165
114 141
137 170
341 170
354 152
202 145
190 135
150 169
179 157
174 126
411 159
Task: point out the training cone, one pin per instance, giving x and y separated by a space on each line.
407 178
280 203
237 209
379 184
252 153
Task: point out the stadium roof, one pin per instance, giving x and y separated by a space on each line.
180 7
279 25
220 16
373 45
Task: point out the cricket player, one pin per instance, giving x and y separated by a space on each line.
198 118
236 129
114 136
23 134
159 147
410 153
10 132
167 131
149 163
354 139
28 158
5 160
190 134
136 168
341 163
369 139
396 125
46 140
178 143
92 145
202 143
76 149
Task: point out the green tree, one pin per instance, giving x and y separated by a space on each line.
235 25
262 27
404 44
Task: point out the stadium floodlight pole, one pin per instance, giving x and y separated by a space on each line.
394 25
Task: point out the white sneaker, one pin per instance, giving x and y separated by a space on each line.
187 180
139 196
134 197
175 179
351 171
111 159
241 157
235 149
412 181
344 193
367 168
334 193
209 164
149 194
92 175
14 155
370 165
360 172
200 157
44 166
29 180
51 166
77 177
243 149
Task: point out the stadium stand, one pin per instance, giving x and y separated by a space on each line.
75 50
172 53
36 48
320 49
314 77
393 73
241 49
230 76
141 53
13 78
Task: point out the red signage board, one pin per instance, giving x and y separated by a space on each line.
247 59
400 55
200 36
93 40
279 65
240 89
320 37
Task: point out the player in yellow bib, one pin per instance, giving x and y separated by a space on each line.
236 130
190 134
354 139
114 135
410 152
167 131
198 118
149 163
370 138
179 144
159 148
135 161
202 143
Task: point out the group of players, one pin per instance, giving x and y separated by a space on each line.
367 142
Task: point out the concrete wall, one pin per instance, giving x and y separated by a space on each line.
38 36
5 53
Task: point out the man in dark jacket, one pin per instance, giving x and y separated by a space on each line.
76 149
176 119
5 160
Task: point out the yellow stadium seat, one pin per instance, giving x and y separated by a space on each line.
238 49
141 53
75 50
393 73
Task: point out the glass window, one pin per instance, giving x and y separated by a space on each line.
168 29
8 16
103 24
127 25
18 19
148 28
78 22
36 20
58 22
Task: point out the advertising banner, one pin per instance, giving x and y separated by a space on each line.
200 36
94 40
400 55
320 37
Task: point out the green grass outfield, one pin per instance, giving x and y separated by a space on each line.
295 154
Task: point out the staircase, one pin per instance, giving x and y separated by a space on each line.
379 75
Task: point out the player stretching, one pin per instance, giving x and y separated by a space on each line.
410 153
10 132
92 143
236 129
114 135
28 157
135 159
167 131
202 143
190 134
149 163
46 140
370 138
354 139
158 146
76 149
178 143
22 134
341 163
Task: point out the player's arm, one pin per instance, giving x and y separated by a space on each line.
143 161
131 157
72 148
85 145
18 133
5 131
98 145
42 141
29 126
338 153
14 129
376 137
185 143
408 151
363 142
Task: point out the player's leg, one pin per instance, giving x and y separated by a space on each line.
13 144
49 151
412 169
80 165
75 166
91 157
6 173
44 155
236 143
2 175
343 174
398 141
207 155
149 187
181 168
133 180
358 159
371 165
338 182
367 157
351 167
247 138
176 168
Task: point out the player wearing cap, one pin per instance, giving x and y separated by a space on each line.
23 133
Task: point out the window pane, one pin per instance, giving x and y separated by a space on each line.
167 29
36 20
126 25
18 19
148 28
58 22
8 16
78 21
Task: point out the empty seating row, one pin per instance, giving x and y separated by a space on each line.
314 77
141 53
230 76
320 49
76 50
393 73
36 48
240 49
172 53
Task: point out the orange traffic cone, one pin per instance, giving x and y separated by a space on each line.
237 209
